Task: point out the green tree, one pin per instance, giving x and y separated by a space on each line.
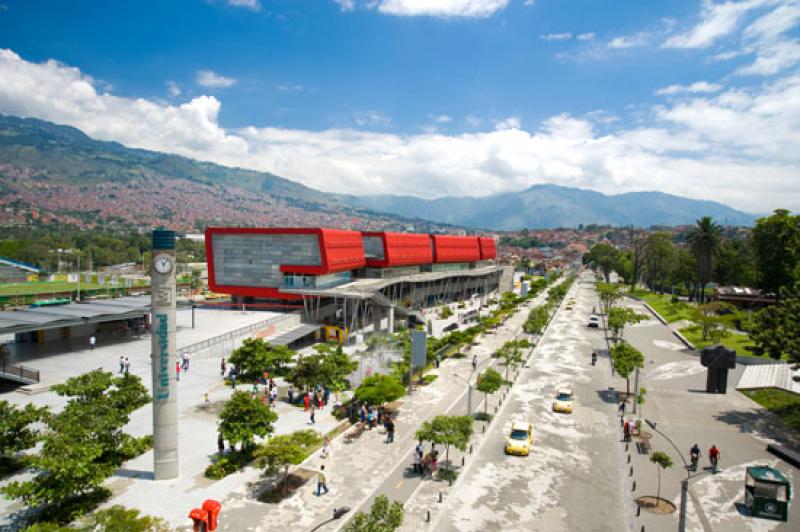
713 323
685 272
447 431
776 327
121 518
255 356
619 317
384 516
659 260
307 371
16 433
776 240
336 367
603 257
511 353
704 241
285 450
625 359
609 294
537 320
489 382
662 461
379 389
736 263
243 418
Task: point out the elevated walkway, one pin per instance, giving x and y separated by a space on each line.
18 373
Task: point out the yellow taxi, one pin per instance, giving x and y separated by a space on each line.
520 439
564 399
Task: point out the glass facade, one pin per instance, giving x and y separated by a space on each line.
298 280
373 247
255 259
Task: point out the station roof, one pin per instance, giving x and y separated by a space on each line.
34 319
295 334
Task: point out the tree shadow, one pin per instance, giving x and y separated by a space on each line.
609 396
134 473
764 423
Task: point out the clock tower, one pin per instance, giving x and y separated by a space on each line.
163 356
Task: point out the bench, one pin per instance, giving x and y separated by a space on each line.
786 454
355 432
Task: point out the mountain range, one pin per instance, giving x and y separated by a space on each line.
56 173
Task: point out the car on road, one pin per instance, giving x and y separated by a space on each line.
564 399
594 321
520 439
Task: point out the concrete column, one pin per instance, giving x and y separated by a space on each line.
377 317
391 320
163 356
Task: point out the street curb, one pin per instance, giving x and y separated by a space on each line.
677 334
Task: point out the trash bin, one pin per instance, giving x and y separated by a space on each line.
212 507
200 518
767 493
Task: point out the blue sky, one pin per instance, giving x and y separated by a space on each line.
430 97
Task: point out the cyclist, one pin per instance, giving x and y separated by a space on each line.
694 453
713 457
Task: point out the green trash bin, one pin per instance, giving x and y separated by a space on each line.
767 493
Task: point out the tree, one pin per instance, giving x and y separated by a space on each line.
285 450
113 518
713 323
685 272
511 353
640 400
537 320
489 382
662 461
619 317
379 389
637 251
736 263
447 431
16 433
336 367
608 294
659 260
704 241
244 417
255 356
625 359
307 371
776 330
603 257
776 240
384 516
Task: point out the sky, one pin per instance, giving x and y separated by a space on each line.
431 97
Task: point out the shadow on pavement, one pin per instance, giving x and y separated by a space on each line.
134 473
608 396
761 422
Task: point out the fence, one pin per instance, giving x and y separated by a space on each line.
18 371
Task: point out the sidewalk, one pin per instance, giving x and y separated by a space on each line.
356 470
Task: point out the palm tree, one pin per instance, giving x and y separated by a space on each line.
704 240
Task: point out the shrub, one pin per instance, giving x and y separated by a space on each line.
427 379
230 463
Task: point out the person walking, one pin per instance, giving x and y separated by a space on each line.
311 418
92 342
434 458
322 483
186 359
622 408
389 430
177 370
370 417
417 463
626 431
290 394
474 362
713 457
121 364
325 447
438 360
220 443
206 400
127 366
694 456
222 367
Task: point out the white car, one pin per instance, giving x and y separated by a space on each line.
594 321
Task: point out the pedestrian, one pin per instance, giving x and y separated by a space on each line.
713 457
320 404
434 458
121 364
233 378
127 365
362 414
290 393
417 462
626 430
220 443
420 449
206 401
321 481
222 367
254 390
325 395
474 362
622 408
389 430
313 410
177 371
325 447
370 417
92 342
306 402
437 359
186 359
380 415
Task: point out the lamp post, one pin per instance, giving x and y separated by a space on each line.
468 381
337 514
684 482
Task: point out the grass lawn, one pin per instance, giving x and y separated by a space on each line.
740 342
785 404
44 288
670 311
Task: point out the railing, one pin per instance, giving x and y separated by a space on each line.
17 370
237 333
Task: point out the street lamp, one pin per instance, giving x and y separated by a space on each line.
337 514
468 381
684 482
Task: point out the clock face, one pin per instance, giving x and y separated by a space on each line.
163 263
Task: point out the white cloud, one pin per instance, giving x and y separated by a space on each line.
209 78
556 36
529 2
740 146
473 121
630 41
694 88
173 89
766 38
441 8
442 119
296 87
585 36
717 20
255 5
346 5
371 118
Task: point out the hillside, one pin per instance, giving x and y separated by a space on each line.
54 173
549 206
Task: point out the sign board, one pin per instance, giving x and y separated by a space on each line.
419 349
